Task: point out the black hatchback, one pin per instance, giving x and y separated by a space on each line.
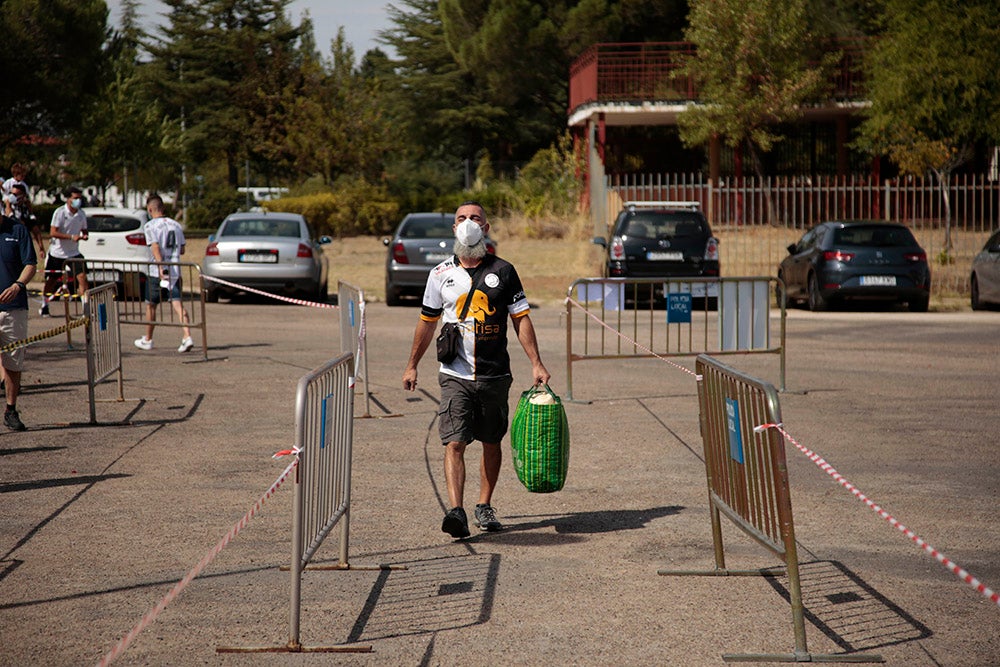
856 260
661 239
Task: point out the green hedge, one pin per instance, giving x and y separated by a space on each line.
361 209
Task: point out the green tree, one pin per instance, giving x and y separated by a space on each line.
52 58
934 87
336 124
753 72
214 69
482 76
121 125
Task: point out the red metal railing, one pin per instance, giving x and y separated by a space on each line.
638 72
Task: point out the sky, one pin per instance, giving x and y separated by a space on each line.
361 19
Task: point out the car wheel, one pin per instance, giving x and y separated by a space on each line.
817 301
976 303
211 295
321 293
392 295
919 305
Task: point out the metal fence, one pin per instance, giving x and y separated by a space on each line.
324 432
351 301
748 484
626 318
104 346
130 280
757 218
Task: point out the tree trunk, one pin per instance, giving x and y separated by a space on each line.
943 178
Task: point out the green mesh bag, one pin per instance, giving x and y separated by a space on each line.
539 440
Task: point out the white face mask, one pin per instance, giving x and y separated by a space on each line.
76 203
468 232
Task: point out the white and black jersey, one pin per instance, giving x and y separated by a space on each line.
498 294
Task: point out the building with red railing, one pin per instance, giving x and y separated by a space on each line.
633 85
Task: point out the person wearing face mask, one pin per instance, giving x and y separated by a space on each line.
17 205
69 227
476 384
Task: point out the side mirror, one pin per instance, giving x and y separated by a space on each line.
323 240
386 241
211 238
791 249
601 241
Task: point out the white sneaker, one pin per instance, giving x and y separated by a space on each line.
186 344
144 343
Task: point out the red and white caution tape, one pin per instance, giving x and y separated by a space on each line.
299 302
286 452
951 566
195 571
629 340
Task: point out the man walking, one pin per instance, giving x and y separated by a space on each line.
165 239
17 268
474 386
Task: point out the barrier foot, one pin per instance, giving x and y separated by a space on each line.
803 657
296 648
347 566
762 572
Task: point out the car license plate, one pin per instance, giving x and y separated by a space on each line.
665 256
259 256
878 281
437 256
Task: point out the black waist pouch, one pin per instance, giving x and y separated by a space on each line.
448 342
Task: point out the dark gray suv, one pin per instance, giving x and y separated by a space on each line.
661 239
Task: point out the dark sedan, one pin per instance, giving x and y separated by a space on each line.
856 260
420 242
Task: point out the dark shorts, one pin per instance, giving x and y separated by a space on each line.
56 265
473 409
155 294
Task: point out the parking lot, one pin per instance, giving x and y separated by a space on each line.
99 522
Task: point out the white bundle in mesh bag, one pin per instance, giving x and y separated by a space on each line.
542 399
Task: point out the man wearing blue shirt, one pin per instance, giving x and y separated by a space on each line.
17 268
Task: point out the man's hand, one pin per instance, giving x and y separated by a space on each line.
410 379
10 293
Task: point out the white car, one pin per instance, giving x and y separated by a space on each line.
115 248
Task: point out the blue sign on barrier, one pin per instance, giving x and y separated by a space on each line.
351 311
326 421
679 307
733 424
102 316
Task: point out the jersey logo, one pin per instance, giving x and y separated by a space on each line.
479 308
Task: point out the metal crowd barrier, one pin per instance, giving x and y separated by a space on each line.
104 346
130 280
351 301
625 318
748 484
324 432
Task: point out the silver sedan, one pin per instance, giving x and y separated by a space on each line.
984 280
272 252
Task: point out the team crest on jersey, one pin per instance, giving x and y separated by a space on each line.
492 280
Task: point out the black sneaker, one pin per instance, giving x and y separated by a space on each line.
13 421
486 519
455 523
44 310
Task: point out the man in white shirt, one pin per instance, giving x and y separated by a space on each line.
69 227
165 239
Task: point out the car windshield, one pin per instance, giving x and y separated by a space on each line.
112 223
655 225
873 236
289 228
426 227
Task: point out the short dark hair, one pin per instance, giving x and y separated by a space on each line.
19 186
155 199
73 190
473 202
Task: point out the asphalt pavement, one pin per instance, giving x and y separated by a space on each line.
99 522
